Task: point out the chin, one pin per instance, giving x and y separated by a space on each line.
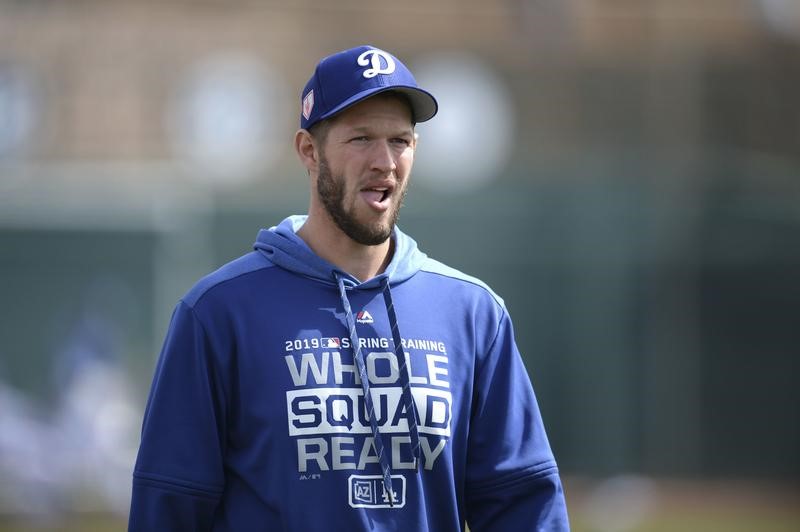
370 235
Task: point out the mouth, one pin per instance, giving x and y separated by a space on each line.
377 197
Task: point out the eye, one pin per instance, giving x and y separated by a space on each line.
362 138
401 141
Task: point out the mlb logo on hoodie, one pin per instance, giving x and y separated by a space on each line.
364 317
331 343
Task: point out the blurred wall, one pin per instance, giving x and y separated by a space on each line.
623 173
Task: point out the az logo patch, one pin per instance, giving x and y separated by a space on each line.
367 491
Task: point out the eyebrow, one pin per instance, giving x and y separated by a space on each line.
367 129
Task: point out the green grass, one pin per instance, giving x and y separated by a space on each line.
674 507
74 523
692 506
704 521
689 522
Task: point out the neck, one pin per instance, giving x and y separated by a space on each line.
329 242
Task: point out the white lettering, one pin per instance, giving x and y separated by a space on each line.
307 361
368 453
397 457
423 345
431 454
413 379
304 454
373 343
318 411
339 369
392 377
339 453
434 370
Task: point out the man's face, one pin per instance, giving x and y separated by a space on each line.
364 168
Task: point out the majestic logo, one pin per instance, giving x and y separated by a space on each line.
367 491
364 317
308 104
373 58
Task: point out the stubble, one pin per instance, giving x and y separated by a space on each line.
331 192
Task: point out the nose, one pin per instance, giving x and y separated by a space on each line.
383 158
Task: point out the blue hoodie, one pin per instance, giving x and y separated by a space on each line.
257 418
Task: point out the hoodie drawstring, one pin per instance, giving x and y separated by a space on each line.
404 374
407 398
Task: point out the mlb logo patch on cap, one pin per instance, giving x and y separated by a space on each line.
348 77
308 104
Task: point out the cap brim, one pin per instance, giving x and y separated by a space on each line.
423 105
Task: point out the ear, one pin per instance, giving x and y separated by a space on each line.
306 148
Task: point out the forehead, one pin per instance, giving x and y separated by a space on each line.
379 110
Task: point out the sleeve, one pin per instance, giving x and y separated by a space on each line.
512 479
178 478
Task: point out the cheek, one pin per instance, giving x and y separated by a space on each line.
405 162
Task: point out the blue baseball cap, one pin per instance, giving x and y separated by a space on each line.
348 77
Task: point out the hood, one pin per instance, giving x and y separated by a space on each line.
282 246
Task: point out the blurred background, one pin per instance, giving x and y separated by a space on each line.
625 173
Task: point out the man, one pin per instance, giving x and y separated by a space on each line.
336 378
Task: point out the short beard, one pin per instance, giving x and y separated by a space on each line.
331 193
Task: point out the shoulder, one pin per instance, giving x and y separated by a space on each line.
236 270
460 279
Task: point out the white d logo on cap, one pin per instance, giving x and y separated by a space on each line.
375 63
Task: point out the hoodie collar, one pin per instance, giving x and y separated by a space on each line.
282 246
